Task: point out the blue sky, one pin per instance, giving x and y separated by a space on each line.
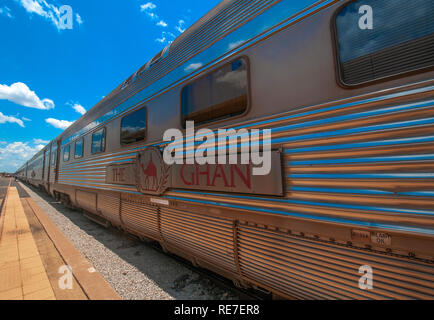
49 75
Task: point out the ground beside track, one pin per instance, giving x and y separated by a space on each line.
135 270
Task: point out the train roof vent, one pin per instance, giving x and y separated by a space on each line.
143 68
127 82
154 60
205 32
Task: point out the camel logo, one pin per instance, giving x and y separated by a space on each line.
152 174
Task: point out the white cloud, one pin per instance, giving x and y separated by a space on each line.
10 119
59 124
166 37
193 66
162 39
147 6
46 10
78 108
26 119
20 93
180 27
15 154
6 11
78 19
40 141
152 15
32 6
161 23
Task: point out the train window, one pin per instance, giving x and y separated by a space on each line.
53 156
378 39
66 153
220 94
98 141
133 127
78 152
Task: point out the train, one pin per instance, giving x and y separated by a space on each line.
346 88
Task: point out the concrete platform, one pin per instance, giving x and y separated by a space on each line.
22 274
33 256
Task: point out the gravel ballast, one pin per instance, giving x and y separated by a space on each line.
134 269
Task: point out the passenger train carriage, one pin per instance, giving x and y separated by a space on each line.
347 88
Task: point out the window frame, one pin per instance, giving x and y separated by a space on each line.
53 161
209 71
82 148
103 147
335 44
146 130
69 152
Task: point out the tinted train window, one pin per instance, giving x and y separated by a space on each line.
79 148
220 94
53 156
98 141
133 127
378 39
66 153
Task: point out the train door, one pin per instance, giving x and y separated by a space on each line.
45 178
56 169
45 166
48 164
53 166
53 176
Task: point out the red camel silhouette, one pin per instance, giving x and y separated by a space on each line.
150 172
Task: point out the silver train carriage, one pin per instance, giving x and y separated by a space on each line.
346 88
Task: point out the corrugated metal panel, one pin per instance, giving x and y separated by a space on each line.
364 161
310 269
359 162
91 172
140 218
86 200
381 154
109 207
208 238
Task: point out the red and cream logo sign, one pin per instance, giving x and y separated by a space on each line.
152 174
